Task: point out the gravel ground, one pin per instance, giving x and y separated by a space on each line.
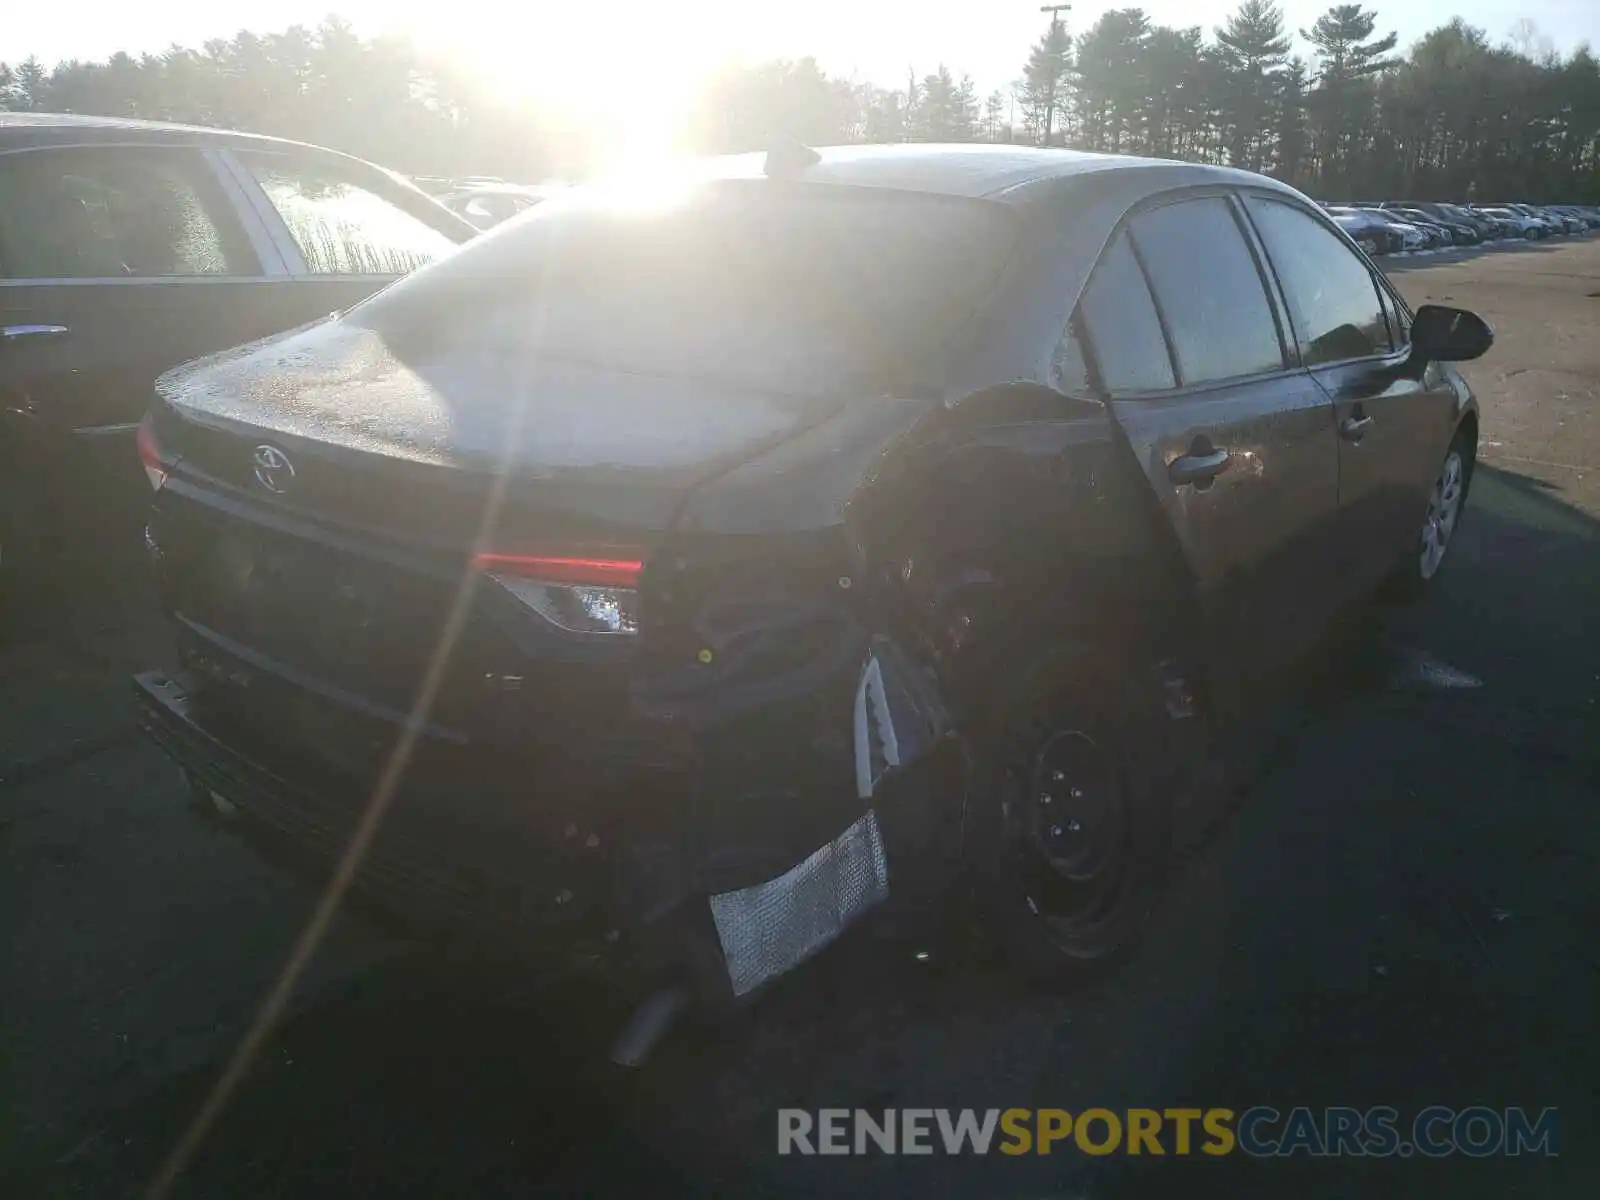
1400 910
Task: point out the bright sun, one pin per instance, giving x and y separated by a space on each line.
628 74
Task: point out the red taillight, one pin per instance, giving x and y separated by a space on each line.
156 466
617 569
586 591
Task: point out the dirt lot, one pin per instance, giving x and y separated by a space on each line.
1401 911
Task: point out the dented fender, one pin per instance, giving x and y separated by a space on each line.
826 625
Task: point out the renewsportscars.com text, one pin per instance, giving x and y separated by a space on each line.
1261 1131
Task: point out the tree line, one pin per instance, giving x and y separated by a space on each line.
1454 116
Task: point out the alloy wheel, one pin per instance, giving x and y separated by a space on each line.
1444 511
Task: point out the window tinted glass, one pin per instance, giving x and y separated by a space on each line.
343 228
795 290
1331 293
1206 283
115 213
1121 323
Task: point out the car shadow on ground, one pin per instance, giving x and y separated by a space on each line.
1399 912
1418 927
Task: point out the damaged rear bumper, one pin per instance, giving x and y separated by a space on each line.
759 877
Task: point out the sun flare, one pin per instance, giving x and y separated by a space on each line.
629 79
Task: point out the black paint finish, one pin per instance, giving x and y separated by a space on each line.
975 527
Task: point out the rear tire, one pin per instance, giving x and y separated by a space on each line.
1068 835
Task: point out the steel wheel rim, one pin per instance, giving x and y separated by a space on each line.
1073 880
1072 806
1444 512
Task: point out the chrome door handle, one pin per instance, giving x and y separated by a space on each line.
15 333
1197 468
1353 429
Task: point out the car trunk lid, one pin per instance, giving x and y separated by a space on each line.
325 497
330 421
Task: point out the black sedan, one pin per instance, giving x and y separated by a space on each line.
685 572
128 247
1456 233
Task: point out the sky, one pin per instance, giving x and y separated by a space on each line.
553 52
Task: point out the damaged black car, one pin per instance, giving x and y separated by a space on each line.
685 571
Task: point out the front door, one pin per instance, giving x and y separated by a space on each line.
1393 426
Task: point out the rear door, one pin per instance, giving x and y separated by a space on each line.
344 228
1351 332
116 263
1235 439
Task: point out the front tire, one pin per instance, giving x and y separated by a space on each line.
1070 835
1447 500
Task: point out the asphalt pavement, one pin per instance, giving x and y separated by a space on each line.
1399 909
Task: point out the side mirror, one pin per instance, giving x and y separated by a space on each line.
1441 334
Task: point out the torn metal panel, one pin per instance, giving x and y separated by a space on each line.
773 927
896 716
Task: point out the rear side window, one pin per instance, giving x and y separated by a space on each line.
1120 321
1333 298
116 213
1208 290
343 227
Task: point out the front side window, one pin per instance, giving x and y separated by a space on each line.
1331 293
115 213
1208 290
342 227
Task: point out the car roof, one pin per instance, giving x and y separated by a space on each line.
29 130
1009 173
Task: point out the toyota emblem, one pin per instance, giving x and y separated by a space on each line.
274 471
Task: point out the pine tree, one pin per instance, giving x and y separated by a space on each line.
1252 48
1343 104
948 111
30 85
995 128
1043 90
1292 122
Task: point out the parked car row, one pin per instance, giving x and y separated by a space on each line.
1411 226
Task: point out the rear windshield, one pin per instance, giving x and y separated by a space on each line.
801 288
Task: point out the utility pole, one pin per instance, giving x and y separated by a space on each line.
1055 11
